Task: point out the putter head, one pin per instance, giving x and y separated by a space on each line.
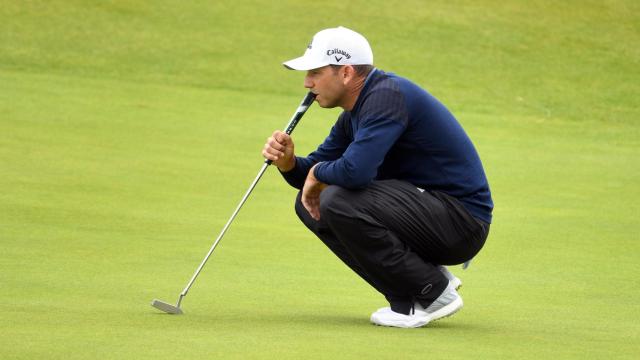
168 308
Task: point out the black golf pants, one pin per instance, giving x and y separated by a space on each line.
394 236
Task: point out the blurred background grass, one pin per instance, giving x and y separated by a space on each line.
130 130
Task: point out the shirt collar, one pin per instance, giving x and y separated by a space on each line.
364 89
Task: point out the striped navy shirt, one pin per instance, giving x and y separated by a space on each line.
397 130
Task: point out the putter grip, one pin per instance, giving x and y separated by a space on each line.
295 119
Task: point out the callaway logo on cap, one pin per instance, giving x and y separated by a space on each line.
334 46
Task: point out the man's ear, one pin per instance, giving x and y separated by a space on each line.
347 74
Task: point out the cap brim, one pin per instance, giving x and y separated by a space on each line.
303 63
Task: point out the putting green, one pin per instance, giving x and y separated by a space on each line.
130 130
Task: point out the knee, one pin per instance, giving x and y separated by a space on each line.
334 201
300 210
304 215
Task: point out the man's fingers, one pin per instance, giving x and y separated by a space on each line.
313 211
272 142
270 150
312 205
273 150
268 155
281 137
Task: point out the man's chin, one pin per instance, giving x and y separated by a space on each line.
324 104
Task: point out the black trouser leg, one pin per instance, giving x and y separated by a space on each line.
393 236
322 231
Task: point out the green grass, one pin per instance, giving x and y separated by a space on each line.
129 130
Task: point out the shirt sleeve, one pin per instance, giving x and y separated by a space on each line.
383 119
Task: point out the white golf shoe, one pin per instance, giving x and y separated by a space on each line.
454 280
447 304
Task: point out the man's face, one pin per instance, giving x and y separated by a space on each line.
327 84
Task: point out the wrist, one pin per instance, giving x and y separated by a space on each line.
312 173
289 166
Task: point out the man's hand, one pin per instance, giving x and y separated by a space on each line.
311 194
279 149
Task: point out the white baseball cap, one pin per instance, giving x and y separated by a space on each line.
334 46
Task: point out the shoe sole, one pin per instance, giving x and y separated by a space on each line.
442 313
402 324
448 310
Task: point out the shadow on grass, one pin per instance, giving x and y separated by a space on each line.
302 319
279 319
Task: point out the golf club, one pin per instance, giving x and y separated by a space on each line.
175 309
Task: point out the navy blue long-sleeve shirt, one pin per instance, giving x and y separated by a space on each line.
397 130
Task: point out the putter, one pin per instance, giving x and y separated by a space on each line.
175 309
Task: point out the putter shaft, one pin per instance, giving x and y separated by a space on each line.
224 230
302 108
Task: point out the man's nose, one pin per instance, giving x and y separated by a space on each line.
308 83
